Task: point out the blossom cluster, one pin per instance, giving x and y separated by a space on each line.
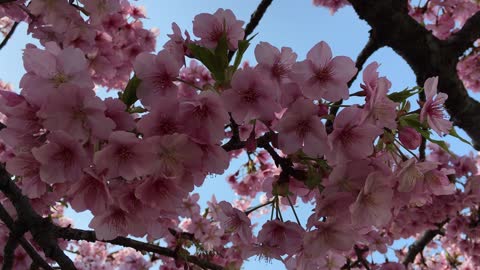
133 161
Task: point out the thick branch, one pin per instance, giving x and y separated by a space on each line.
6 1
427 56
9 251
463 39
418 246
76 234
40 228
36 258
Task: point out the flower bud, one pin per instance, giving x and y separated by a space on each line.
410 138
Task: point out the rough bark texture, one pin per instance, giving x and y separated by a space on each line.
427 55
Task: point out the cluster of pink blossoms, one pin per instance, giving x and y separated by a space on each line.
134 164
109 33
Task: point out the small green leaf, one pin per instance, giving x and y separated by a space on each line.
204 55
454 133
242 48
129 96
402 95
411 120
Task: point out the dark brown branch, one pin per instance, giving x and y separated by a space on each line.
418 246
9 251
257 16
426 55
36 258
76 234
463 39
6 1
9 35
40 228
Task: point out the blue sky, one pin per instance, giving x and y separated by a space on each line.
296 24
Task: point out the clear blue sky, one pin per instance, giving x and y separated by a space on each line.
296 24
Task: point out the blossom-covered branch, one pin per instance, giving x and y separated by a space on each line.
426 55
77 234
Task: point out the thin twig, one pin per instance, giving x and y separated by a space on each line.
76 234
9 35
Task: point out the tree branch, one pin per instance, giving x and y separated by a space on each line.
463 39
419 245
36 258
257 16
9 35
9 251
427 56
6 1
76 234
41 228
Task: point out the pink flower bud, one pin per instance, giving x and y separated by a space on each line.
322 110
410 138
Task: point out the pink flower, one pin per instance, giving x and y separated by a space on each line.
62 159
99 9
350 139
204 117
432 110
374 202
162 118
334 234
379 109
210 28
116 110
281 237
25 165
82 114
116 222
49 69
333 5
90 193
438 183
250 97
409 137
177 45
158 73
234 221
301 127
174 154
324 77
125 156
276 64
410 172
214 159
161 193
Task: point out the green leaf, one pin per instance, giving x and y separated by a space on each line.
412 120
242 48
402 95
129 96
203 55
216 61
454 133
